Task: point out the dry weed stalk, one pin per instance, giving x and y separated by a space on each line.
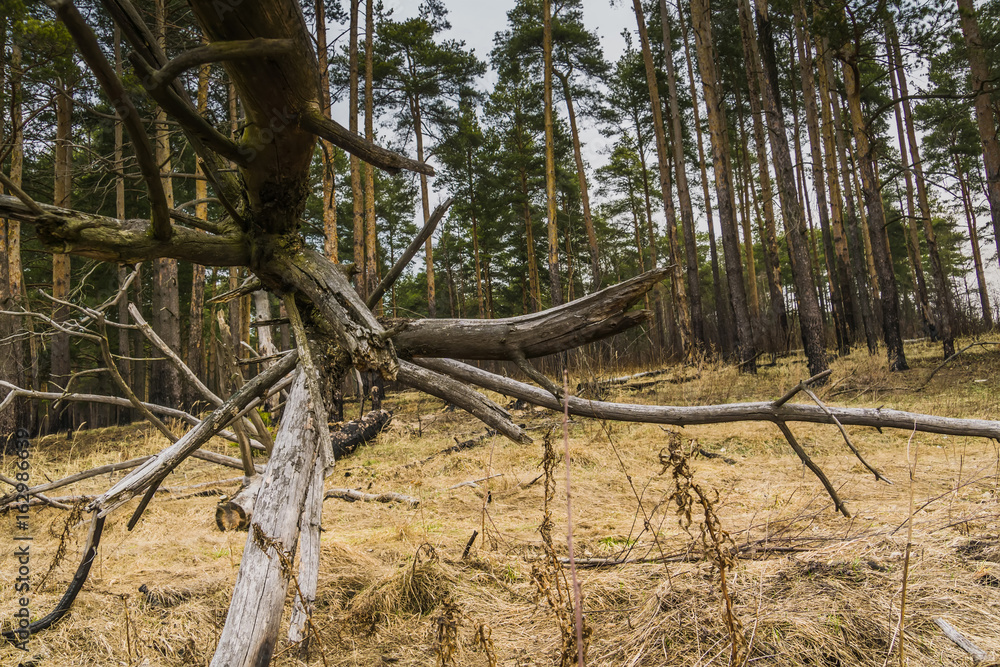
549 577
446 633
715 540
75 515
484 639
906 558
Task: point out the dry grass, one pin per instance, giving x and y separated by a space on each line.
809 587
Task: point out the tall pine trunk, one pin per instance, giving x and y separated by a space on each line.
723 308
371 233
977 256
357 193
555 284
701 21
876 224
683 189
982 83
166 296
944 313
810 317
60 359
330 240
678 292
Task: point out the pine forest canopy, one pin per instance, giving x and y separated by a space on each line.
764 177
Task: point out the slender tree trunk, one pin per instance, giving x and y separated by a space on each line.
743 178
652 245
60 359
371 233
581 174
683 189
945 315
810 317
911 236
330 240
124 344
470 172
838 144
982 83
9 362
425 203
769 237
166 297
724 314
679 293
555 284
841 300
876 224
718 127
977 257
534 286
357 194
196 335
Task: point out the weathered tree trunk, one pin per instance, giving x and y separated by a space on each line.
555 283
683 190
876 224
701 22
678 292
982 83
723 308
810 317
251 628
945 314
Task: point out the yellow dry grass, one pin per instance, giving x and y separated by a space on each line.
810 587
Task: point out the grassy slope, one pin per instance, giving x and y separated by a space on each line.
811 587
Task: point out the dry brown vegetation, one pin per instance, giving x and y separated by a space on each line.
808 587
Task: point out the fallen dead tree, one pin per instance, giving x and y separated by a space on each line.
334 327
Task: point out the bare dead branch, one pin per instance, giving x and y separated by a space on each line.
468 399
153 471
219 52
816 470
718 414
312 120
415 245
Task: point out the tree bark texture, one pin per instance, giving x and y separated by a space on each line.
718 128
876 225
810 317
985 119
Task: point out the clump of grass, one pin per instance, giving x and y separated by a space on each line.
413 590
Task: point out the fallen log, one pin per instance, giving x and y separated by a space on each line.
352 495
766 411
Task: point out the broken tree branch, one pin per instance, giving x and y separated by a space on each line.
221 51
415 245
449 389
576 323
816 470
385 497
718 414
312 120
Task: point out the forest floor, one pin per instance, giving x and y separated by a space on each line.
807 586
